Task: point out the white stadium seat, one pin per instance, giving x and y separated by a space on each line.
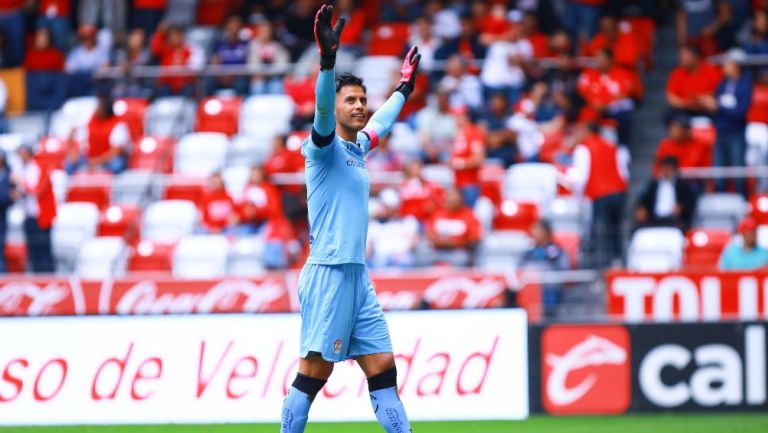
15 231
132 186
75 113
266 115
170 116
246 256
102 257
235 179
377 73
60 183
75 223
201 256
247 151
167 221
531 181
501 250
201 153
33 125
439 174
404 139
570 213
656 249
720 210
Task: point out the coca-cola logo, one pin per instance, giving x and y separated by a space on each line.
30 299
230 295
585 369
465 292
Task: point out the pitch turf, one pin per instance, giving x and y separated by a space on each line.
671 423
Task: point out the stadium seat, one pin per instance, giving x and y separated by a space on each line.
135 187
75 113
235 179
516 215
656 249
149 256
201 256
704 246
501 250
60 184
32 125
153 154
102 257
93 188
377 72
170 116
247 151
218 115
388 39
485 211
404 140
75 223
491 179
14 233
15 257
246 256
758 208
531 181
167 221
52 152
570 213
180 187
719 210
133 112
121 221
201 153
201 37
439 174
266 115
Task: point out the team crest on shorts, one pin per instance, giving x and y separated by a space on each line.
337 345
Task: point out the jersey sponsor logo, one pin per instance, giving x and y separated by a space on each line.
351 162
586 369
337 345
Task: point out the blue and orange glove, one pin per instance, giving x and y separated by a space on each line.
408 72
327 38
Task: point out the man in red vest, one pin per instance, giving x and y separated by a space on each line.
600 172
39 208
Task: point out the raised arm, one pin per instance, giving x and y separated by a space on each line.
327 39
384 118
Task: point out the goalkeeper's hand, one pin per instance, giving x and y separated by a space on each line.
327 38
408 72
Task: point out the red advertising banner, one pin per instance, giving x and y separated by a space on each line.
687 296
273 293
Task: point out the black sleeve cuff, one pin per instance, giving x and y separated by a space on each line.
320 140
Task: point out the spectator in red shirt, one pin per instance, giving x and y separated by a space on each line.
620 41
419 197
12 28
356 19
260 201
219 212
692 82
302 91
689 151
467 157
286 158
39 205
108 140
169 46
147 14
43 56
54 15
453 232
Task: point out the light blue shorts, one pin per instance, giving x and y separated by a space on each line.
340 315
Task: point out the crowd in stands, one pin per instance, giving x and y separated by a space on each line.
505 85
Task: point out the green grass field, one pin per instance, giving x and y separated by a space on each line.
672 423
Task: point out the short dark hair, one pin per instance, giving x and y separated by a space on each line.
670 161
347 79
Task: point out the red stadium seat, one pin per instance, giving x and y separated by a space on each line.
388 39
218 115
132 111
148 256
491 177
153 154
514 215
16 257
179 187
120 220
758 205
571 243
92 188
704 246
52 152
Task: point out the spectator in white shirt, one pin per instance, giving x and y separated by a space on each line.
466 89
88 56
505 64
437 128
392 239
667 200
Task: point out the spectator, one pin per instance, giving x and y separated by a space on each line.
581 17
87 56
539 41
533 121
133 54
621 42
230 50
757 125
467 157
445 20
545 257
43 56
108 141
299 25
219 212
505 65
453 232
281 248
286 159
467 45
419 197
7 197
600 173
147 15
12 27
427 41
437 128
563 81
757 42
3 107
260 202
692 82
466 89
392 239
54 16
39 204
169 46
667 200
302 91
500 140
109 14
745 255
265 52
700 21
607 90
356 19
729 109
680 144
